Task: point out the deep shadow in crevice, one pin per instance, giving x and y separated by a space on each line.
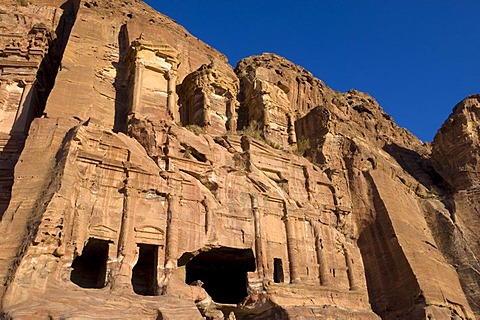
182 109
243 120
422 170
51 64
8 159
38 96
121 82
417 166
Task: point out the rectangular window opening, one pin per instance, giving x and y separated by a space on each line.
278 276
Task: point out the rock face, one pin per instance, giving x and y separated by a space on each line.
143 177
455 154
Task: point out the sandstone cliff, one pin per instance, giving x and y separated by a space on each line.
142 176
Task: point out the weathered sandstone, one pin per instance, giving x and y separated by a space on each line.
455 155
143 177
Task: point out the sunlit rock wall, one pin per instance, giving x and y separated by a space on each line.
319 205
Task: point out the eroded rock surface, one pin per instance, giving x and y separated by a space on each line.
455 154
158 182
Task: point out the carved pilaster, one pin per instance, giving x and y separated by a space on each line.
127 253
258 236
292 137
292 247
350 273
127 250
171 245
207 110
172 106
137 85
322 264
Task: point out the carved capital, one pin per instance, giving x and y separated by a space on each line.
171 74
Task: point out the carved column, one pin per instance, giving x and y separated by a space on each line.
258 236
172 107
292 137
322 266
207 111
137 85
127 248
292 247
210 219
171 245
348 260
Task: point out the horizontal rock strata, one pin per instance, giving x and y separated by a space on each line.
143 177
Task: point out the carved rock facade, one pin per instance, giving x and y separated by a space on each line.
118 211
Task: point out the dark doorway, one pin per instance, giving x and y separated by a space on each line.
90 269
278 270
223 272
144 275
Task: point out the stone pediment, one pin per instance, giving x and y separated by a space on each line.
162 50
149 234
103 232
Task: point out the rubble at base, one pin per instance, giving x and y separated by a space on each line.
143 177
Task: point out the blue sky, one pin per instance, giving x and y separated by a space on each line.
417 58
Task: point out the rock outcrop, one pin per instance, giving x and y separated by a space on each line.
455 155
143 177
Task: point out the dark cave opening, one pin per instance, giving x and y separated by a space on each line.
223 272
278 276
90 269
144 274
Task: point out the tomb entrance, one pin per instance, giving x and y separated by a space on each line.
90 268
223 272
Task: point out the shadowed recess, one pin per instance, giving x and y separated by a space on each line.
89 269
223 272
